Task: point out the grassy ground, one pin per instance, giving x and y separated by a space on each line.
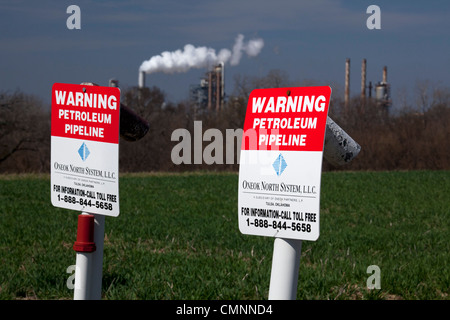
177 238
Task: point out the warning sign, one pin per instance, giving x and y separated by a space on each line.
281 162
85 148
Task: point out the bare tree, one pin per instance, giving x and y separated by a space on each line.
24 133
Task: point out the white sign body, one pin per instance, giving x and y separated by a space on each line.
85 148
281 162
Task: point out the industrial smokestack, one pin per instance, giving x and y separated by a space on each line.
385 74
141 80
363 80
210 84
222 70
114 83
347 83
218 87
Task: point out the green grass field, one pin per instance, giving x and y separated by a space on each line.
177 237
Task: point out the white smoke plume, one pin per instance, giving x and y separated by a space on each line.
201 57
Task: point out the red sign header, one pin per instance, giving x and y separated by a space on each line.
86 112
286 119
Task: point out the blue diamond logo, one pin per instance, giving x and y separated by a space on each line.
84 151
279 165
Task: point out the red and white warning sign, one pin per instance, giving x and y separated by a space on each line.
85 148
281 162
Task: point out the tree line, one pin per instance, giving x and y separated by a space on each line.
414 137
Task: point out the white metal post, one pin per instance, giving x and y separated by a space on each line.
285 265
97 257
82 276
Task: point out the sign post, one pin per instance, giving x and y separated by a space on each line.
285 265
85 170
280 172
97 257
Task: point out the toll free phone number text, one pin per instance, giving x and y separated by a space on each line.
85 202
264 223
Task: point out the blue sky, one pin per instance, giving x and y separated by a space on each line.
309 40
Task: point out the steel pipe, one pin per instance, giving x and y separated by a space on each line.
339 148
